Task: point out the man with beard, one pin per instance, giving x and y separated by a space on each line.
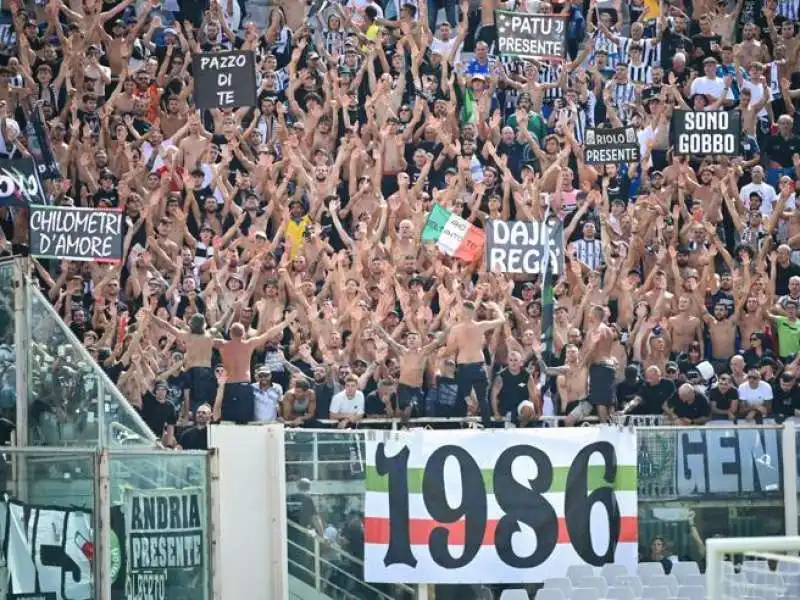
196 436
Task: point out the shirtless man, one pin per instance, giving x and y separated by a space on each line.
597 355
238 402
466 343
722 329
572 382
684 328
413 358
199 343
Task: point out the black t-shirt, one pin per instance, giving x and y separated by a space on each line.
627 390
194 438
654 396
156 414
781 150
723 401
374 406
671 43
300 508
785 403
691 410
324 394
515 390
782 277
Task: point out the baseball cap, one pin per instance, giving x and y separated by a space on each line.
170 31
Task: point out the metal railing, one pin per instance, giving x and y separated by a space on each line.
324 566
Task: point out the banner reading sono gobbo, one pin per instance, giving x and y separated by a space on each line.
505 507
712 132
525 246
531 36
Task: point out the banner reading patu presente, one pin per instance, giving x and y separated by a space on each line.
505 507
531 36
523 246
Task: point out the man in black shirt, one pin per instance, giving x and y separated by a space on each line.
382 403
689 407
782 147
724 399
785 397
303 515
323 392
629 388
653 394
196 436
159 414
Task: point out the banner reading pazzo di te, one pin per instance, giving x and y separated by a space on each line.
505 507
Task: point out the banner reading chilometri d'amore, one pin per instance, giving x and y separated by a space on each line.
482 507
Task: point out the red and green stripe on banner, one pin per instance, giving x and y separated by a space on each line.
453 235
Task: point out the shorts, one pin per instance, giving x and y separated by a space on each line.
238 402
582 410
202 386
601 384
409 397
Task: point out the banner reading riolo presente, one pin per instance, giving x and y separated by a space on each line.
165 547
505 507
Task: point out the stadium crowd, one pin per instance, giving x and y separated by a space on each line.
273 265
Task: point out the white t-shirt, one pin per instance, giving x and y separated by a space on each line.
710 87
754 397
445 48
267 401
341 404
756 93
763 189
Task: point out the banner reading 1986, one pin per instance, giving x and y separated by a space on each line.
482 507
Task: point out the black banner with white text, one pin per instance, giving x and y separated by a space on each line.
710 132
39 145
165 544
76 233
531 36
604 146
525 246
224 79
19 183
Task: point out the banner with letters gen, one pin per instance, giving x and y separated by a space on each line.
712 132
531 36
224 79
485 507
165 545
606 146
522 246
76 233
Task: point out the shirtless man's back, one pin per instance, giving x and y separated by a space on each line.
466 342
238 401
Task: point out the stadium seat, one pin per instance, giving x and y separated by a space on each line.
684 569
620 593
523 595
585 594
631 581
649 568
692 580
577 572
692 592
598 583
561 583
667 581
542 594
650 592
612 571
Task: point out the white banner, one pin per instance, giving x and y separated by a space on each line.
498 507
47 551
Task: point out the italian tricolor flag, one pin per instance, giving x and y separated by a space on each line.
453 235
498 489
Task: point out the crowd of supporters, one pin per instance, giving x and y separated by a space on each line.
273 265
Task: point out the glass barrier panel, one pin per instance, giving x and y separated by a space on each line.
159 500
8 385
47 523
68 390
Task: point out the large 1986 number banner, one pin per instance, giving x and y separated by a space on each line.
506 507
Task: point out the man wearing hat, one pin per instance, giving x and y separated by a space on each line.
267 396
